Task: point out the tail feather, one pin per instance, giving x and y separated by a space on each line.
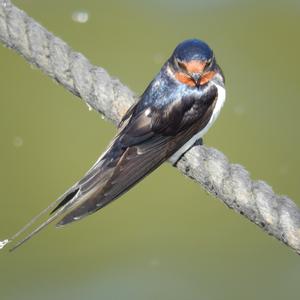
61 205
37 230
70 200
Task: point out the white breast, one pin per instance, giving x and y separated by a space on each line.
220 102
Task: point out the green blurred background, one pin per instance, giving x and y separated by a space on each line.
166 238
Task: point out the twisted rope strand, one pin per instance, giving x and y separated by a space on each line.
231 183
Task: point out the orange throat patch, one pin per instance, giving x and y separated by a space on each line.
206 77
185 79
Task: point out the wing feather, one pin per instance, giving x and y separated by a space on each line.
147 140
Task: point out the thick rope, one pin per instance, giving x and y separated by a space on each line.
277 215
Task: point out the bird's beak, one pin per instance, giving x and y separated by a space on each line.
197 78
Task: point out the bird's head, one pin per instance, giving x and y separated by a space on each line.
193 63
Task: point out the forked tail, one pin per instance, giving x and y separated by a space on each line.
59 207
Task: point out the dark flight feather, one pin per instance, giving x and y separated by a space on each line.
144 143
147 138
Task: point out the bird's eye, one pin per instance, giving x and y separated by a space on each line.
181 65
209 63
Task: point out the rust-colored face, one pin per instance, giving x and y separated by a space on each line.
206 77
186 79
191 68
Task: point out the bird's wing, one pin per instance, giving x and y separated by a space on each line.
150 137
145 141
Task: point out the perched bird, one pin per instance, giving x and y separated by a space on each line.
176 109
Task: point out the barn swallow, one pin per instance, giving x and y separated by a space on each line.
176 109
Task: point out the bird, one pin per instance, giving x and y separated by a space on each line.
177 108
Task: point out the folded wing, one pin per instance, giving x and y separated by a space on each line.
145 140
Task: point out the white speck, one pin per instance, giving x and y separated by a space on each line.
139 151
239 109
157 83
102 117
80 16
89 107
3 243
18 141
147 112
4 4
158 58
